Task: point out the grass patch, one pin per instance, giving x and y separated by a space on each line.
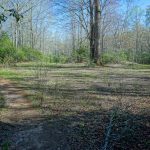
14 74
6 145
51 65
2 101
11 75
83 75
137 66
80 101
36 99
7 73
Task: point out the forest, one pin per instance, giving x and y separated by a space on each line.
74 74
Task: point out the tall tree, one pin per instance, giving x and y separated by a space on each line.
148 16
97 30
95 14
92 49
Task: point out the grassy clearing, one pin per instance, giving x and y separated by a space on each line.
80 102
8 73
138 66
51 65
14 74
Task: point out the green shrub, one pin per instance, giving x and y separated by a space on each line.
55 59
108 57
121 56
114 57
6 48
81 55
10 55
29 54
146 58
59 58
19 56
143 58
8 61
63 59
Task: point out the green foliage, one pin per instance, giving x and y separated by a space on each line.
81 55
146 58
2 101
107 58
7 73
61 58
2 18
20 56
10 55
6 146
15 14
114 57
148 16
10 12
143 58
137 66
55 59
122 56
7 50
29 54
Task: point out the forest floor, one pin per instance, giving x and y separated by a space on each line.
74 107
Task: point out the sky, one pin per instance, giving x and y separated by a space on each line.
142 3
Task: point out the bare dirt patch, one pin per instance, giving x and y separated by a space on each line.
21 125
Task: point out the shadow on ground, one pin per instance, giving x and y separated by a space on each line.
83 130
71 127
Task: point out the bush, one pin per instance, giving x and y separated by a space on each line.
20 56
55 59
9 54
80 55
6 48
108 58
29 54
146 58
121 56
114 57
61 58
143 58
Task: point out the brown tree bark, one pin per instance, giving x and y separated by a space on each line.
92 48
97 31
95 15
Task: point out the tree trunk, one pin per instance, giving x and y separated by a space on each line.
97 31
92 49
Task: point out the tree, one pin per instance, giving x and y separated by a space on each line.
95 14
12 12
148 16
92 48
97 31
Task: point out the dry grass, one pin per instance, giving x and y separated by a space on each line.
80 102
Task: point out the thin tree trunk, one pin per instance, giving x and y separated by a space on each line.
91 30
97 30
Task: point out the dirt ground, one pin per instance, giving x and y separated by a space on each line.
70 108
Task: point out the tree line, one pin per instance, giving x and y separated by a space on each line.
98 30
